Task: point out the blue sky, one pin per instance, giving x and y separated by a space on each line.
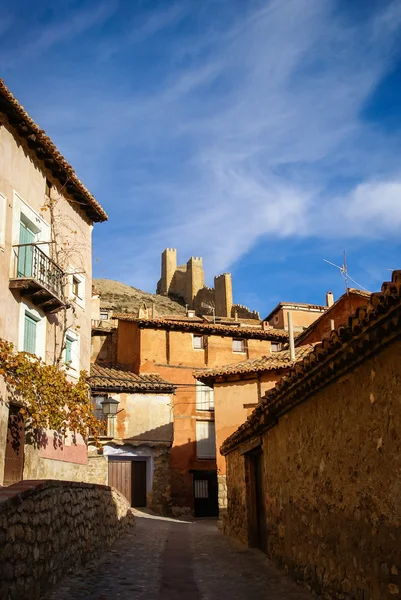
262 135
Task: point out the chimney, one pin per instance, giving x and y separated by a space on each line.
236 315
329 299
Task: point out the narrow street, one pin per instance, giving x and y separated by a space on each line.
165 559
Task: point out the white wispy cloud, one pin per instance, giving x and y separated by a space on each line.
252 129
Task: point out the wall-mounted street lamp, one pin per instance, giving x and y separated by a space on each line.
110 407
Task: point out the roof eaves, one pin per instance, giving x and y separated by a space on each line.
45 150
347 346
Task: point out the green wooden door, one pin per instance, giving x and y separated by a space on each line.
26 236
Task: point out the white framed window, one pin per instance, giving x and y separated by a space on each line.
205 439
77 288
104 316
3 215
71 353
275 347
198 342
204 396
32 330
239 345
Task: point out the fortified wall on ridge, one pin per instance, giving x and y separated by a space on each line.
186 283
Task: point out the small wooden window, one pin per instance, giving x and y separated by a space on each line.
48 187
75 286
239 345
29 334
198 343
68 350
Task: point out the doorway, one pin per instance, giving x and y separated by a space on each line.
129 477
257 533
205 494
14 458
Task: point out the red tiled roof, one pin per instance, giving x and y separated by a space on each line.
270 362
47 153
207 328
369 328
108 377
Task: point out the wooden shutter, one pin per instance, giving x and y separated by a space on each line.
204 397
205 439
68 350
26 236
29 334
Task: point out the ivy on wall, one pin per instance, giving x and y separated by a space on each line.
47 399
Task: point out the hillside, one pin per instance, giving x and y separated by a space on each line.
126 298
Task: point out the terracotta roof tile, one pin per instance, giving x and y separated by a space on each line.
45 150
207 328
369 328
108 377
270 362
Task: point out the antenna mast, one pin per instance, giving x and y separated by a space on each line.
343 270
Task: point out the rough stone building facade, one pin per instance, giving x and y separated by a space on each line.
313 475
45 277
187 284
175 347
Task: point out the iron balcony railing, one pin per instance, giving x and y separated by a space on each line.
32 263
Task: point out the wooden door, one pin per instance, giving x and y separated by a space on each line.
139 483
14 458
120 477
257 527
205 494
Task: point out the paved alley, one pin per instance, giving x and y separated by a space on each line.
165 559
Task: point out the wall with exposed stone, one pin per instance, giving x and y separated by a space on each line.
48 528
332 474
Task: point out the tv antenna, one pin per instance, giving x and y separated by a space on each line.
212 308
344 273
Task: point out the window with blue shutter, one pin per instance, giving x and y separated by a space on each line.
26 236
68 350
30 334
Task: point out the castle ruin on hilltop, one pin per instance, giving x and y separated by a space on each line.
186 284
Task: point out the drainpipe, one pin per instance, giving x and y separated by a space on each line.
291 335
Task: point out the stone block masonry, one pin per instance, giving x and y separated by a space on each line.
48 528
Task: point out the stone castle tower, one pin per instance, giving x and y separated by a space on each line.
186 283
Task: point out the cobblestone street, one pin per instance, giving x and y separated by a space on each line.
164 559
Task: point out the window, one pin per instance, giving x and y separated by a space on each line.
198 342
204 397
71 351
205 439
68 350
30 325
3 210
239 345
104 316
48 187
275 347
75 286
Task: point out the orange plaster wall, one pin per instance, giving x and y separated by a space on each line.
300 318
145 350
229 400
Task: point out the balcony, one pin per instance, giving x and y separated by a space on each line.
38 278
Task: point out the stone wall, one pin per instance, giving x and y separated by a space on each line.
48 528
332 489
